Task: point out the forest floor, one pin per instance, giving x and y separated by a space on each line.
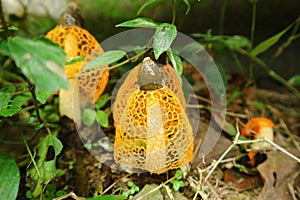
274 174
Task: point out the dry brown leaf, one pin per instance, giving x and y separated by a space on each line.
278 171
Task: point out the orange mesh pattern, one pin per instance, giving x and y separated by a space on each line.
153 133
131 84
76 42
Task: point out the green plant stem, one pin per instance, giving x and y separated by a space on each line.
31 156
238 63
222 16
296 27
291 38
173 11
252 38
253 23
32 91
114 66
277 77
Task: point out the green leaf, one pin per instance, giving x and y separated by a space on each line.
41 62
38 126
177 185
236 42
233 95
295 80
75 60
21 99
88 146
146 4
188 6
30 120
141 22
56 143
130 184
266 44
88 116
178 174
4 48
260 105
15 105
61 193
45 170
42 97
9 89
108 197
164 36
231 129
102 101
4 100
9 177
10 111
176 62
102 118
106 58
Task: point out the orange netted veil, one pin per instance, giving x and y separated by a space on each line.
153 132
77 41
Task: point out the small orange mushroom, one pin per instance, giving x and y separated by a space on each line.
153 132
259 127
77 41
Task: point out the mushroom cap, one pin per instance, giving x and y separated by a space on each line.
255 125
149 75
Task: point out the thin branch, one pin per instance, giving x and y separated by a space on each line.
173 11
112 67
252 37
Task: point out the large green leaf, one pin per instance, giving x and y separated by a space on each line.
146 4
266 44
106 58
40 61
164 36
9 177
141 22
